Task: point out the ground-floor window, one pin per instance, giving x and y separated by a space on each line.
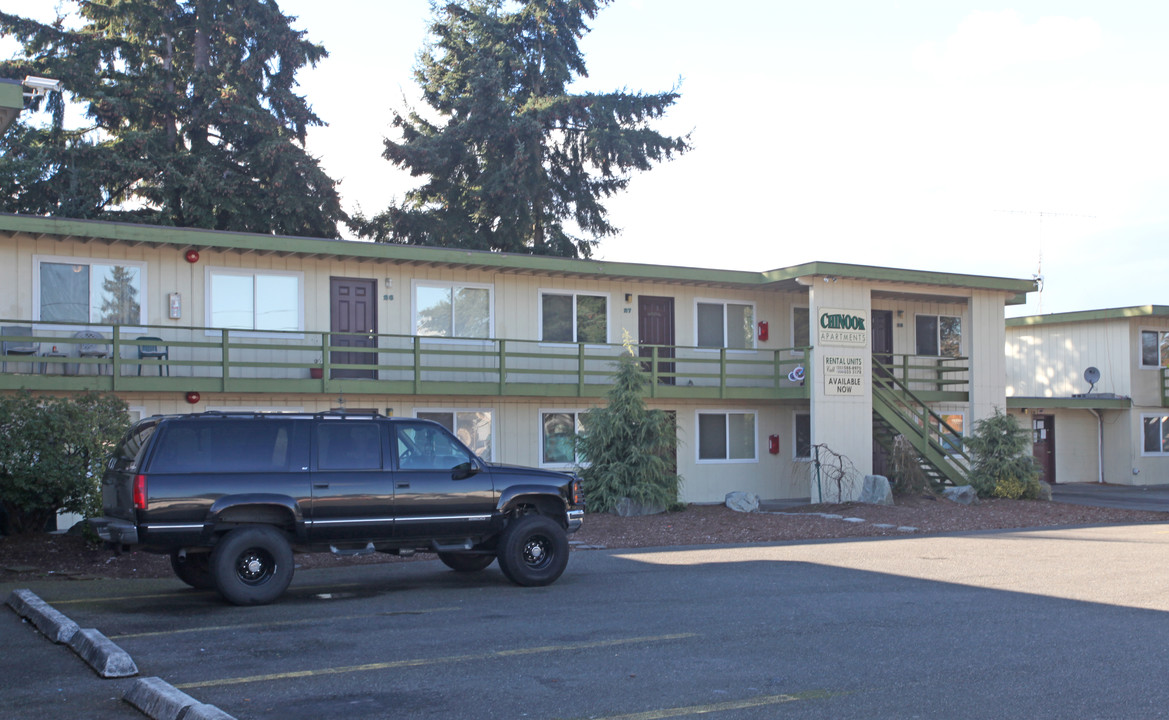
726 436
1156 434
472 427
802 447
558 429
952 441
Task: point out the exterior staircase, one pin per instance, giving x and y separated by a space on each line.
897 411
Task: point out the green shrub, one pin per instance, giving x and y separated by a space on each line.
1003 463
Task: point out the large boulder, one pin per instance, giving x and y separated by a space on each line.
742 501
963 494
876 490
628 507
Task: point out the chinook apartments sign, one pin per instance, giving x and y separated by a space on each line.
843 327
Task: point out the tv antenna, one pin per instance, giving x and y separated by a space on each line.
1037 276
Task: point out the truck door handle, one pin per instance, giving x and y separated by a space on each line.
402 485
320 486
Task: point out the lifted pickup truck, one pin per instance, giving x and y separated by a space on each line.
231 496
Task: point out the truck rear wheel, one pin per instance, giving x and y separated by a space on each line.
533 550
194 569
465 562
252 565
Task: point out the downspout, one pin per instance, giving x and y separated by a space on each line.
1099 446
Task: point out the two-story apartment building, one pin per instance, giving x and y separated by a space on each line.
1093 387
759 368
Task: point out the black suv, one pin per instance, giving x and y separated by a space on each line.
231 496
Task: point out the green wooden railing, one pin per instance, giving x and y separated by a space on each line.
1164 387
223 360
931 378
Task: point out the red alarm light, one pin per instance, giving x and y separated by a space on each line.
193 397
192 256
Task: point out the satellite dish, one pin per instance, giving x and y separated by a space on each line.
1092 376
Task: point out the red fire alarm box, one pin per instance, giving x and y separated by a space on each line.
762 331
773 444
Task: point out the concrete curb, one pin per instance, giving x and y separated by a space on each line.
109 660
49 621
160 700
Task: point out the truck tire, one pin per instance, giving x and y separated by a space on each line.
533 550
194 569
465 562
252 565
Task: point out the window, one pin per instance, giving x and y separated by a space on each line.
728 325
803 443
939 335
558 429
800 327
89 291
574 317
1154 348
349 445
254 299
472 427
426 447
1156 434
454 311
232 446
726 437
952 442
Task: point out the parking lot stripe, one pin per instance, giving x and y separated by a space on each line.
420 662
279 623
189 593
760 701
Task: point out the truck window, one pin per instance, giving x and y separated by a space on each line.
349 446
228 446
429 447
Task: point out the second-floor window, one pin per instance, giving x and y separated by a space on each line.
574 317
1154 348
90 291
254 299
939 335
452 310
801 330
725 324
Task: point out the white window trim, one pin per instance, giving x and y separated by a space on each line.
576 413
297 334
143 303
724 461
415 284
456 410
573 294
724 302
1141 434
795 434
1140 348
938 337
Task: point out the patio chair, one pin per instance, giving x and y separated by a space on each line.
156 351
91 349
17 347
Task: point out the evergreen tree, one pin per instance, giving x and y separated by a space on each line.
1003 462
518 163
192 119
626 449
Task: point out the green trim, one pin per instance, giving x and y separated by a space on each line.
1138 311
11 102
1084 403
783 278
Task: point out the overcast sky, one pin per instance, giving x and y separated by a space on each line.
952 136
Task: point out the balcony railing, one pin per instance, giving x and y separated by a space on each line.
1164 387
932 379
53 356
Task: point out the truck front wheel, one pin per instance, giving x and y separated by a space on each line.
252 565
533 550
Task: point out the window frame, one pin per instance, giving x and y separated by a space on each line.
1162 341
796 457
574 294
210 272
950 449
938 335
725 460
143 290
1163 418
454 412
578 427
451 285
724 303
807 325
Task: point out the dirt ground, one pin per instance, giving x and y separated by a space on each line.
68 557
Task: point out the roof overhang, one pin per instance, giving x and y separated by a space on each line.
1085 402
1124 313
11 102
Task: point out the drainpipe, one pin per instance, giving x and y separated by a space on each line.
1099 446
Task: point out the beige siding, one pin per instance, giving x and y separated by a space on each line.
1050 360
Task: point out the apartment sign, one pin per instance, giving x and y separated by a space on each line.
843 327
844 375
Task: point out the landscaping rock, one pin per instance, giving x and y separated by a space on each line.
876 490
963 494
742 501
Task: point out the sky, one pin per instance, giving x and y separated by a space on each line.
1015 139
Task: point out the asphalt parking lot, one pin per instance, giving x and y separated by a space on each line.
1059 623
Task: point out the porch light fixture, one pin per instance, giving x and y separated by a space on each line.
628 297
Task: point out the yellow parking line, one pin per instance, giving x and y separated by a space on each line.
419 662
281 623
190 592
761 701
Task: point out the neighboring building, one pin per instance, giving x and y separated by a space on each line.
509 350
1092 385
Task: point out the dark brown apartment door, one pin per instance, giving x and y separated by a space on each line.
353 320
655 326
882 325
1043 429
